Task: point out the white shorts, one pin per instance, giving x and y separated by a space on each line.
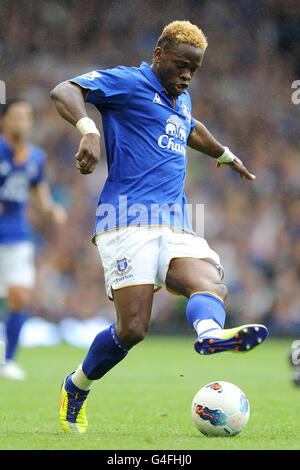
16 266
141 255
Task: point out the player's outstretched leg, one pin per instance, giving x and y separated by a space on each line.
206 313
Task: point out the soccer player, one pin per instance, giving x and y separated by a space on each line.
142 230
22 179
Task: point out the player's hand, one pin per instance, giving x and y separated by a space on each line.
88 154
238 166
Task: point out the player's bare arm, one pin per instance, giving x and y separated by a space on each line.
202 140
41 198
69 100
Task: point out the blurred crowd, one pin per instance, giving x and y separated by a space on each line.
242 94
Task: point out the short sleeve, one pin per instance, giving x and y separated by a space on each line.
36 167
108 88
193 124
192 120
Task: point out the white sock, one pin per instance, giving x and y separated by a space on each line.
204 325
80 379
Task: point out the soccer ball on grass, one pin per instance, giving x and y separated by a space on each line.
220 409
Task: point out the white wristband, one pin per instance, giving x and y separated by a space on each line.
226 157
86 125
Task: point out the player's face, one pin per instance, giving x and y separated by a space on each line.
18 121
176 67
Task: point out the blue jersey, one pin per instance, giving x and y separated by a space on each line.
145 132
15 183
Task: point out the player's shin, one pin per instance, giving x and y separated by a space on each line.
205 312
105 352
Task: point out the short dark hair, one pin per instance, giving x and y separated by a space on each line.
5 107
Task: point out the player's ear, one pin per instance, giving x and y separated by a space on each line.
158 53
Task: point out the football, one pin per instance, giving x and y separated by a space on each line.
220 409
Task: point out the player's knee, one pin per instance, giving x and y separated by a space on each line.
216 287
221 290
133 333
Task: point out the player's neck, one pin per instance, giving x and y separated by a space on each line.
19 147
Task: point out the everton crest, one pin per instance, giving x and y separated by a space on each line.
123 266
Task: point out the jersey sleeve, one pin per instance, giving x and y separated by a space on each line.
37 169
108 88
193 124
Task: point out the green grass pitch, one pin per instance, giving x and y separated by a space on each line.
144 403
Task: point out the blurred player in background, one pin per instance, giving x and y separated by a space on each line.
147 122
294 360
22 179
